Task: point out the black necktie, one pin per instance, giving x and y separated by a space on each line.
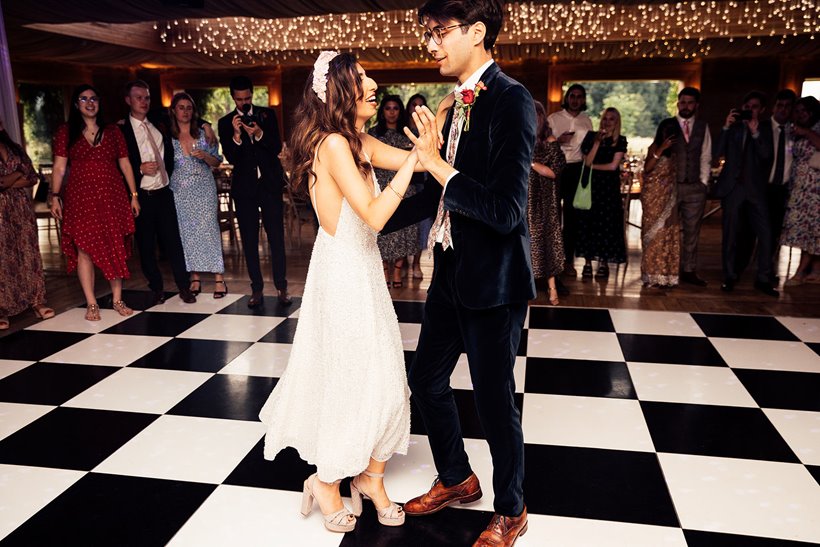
780 161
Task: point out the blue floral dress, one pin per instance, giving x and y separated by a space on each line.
195 197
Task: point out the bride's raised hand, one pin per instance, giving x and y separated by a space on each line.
427 143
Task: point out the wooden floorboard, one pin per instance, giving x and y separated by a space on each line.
622 291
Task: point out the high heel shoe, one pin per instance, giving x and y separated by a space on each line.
198 289
340 521
392 515
221 294
552 293
42 312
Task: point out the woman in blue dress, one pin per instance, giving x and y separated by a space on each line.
195 195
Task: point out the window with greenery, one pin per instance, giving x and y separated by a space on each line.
42 114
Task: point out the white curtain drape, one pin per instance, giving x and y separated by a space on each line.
8 106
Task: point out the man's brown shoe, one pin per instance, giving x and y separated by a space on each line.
441 496
503 531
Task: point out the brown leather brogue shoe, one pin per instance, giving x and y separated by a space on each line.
441 496
503 531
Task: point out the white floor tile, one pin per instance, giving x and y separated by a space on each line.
146 390
205 302
460 379
295 315
16 416
805 328
185 448
117 350
26 490
746 497
552 531
689 384
801 430
767 354
239 328
569 344
410 335
655 322
10 366
411 475
236 515
261 359
594 422
73 320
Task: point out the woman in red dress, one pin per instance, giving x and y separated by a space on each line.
98 222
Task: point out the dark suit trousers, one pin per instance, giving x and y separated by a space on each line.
691 204
247 213
157 221
754 204
569 185
490 337
776 198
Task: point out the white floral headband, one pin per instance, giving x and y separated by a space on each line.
320 68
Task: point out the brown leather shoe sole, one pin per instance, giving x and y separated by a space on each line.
475 496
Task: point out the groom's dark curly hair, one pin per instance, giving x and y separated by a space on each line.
489 12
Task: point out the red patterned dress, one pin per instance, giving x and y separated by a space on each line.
97 214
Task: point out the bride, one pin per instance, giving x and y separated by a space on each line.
343 401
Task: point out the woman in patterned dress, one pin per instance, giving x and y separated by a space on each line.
395 247
660 227
195 195
601 229
801 228
543 213
22 284
98 222
418 184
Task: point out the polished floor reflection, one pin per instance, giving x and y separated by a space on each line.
643 429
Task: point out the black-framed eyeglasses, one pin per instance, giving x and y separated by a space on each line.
92 99
437 34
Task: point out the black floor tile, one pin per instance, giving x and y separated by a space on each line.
579 377
707 430
286 472
409 312
447 528
815 472
698 538
282 333
72 438
597 484
782 389
157 324
542 317
35 345
50 383
102 509
683 350
136 300
228 396
470 424
192 355
522 344
815 347
742 326
271 307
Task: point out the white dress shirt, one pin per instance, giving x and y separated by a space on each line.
148 182
705 150
562 121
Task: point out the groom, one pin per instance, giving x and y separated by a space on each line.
482 277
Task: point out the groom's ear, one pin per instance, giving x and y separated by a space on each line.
477 33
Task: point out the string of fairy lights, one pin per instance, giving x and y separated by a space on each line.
677 30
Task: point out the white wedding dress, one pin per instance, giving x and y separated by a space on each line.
343 397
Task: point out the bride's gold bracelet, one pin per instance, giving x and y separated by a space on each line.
390 185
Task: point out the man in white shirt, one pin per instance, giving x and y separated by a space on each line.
570 126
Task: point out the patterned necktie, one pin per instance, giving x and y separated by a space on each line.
157 156
686 130
780 161
442 221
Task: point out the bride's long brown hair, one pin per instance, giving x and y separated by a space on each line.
314 120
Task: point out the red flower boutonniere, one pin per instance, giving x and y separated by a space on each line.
465 101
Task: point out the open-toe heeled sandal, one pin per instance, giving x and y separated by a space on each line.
198 289
392 515
220 294
42 312
340 521
92 312
120 307
4 323
553 296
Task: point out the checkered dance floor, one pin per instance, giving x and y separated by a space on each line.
642 428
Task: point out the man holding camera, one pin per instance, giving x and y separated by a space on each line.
742 184
250 140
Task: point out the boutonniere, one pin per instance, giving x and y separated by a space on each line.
465 101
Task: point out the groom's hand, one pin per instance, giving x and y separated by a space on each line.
428 143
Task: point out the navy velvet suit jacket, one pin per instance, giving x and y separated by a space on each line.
487 199
749 166
251 154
